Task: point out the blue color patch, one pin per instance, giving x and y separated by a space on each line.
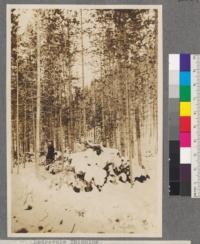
185 78
185 62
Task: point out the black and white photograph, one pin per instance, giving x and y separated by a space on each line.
84 120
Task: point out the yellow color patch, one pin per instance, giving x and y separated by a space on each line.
185 109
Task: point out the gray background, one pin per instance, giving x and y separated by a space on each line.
181 33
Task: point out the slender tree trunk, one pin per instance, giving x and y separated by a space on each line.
132 114
25 135
69 116
33 122
61 124
94 111
83 76
130 132
102 101
138 134
61 138
25 128
127 116
17 114
38 94
70 136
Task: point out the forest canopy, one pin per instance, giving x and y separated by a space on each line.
85 74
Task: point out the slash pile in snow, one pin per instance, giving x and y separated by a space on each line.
94 167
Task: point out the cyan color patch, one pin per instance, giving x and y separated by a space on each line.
185 78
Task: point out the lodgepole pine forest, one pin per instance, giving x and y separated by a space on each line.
84 117
84 75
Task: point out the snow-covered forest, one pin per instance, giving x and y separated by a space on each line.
86 80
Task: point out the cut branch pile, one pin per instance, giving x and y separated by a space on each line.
94 167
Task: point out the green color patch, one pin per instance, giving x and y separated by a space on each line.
185 93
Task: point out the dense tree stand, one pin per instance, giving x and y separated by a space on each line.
84 110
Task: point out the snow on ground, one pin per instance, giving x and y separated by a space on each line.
42 203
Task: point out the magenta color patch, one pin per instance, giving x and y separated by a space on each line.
185 139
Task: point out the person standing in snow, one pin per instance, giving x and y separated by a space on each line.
50 154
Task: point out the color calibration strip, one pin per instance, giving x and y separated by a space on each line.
184 125
173 111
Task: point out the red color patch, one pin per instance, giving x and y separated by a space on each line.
185 124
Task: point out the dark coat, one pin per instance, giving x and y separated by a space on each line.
50 153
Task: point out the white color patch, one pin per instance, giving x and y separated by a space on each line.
174 62
185 155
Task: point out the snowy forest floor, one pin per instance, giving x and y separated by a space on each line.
43 203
